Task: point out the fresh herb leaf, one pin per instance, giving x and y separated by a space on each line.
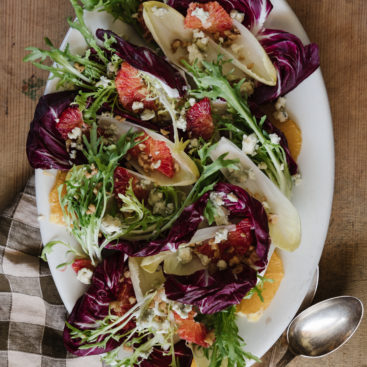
258 288
212 83
210 212
228 345
210 173
88 189
82 28
125 10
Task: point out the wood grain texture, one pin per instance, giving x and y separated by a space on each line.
340 29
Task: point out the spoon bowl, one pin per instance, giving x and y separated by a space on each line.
324 327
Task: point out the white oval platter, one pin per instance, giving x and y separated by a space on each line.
308 104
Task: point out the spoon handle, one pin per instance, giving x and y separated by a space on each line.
287 357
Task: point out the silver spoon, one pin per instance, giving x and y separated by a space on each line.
322 328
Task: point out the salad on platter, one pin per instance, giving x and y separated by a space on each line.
176 161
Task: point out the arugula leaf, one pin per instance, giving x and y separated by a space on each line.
212 83
228 344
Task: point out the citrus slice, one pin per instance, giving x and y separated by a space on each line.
253 308
56 215
293 134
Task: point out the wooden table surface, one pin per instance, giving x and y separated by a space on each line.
340 29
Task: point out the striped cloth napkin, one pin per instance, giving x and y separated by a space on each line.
32 315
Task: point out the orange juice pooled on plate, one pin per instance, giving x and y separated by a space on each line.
253 308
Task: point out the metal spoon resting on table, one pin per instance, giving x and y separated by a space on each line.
322 328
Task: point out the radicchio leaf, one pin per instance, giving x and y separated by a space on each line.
271 129
46 148
159 358
144 59
211 293
94 304
187 224
294 63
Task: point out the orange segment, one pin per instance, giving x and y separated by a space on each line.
253 307
293 134
193 364
56 215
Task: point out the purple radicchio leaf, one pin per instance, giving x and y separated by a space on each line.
187 224
211 293
215 292
46 148
271 129
294 63
144 59
94 304
160 358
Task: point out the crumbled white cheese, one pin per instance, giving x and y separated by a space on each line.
103 82
159 11
147 115
181 123
237 15
232 197
110 224
249 144
197 33
157 164
221 213
57 120
221 235
85 275
282 167
281 116
280 103
297 179
192 101
75 133
112 68
184 255
181 309
137 105
203 16
154 197
274 138
216 198
251 174
72 154
262 165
